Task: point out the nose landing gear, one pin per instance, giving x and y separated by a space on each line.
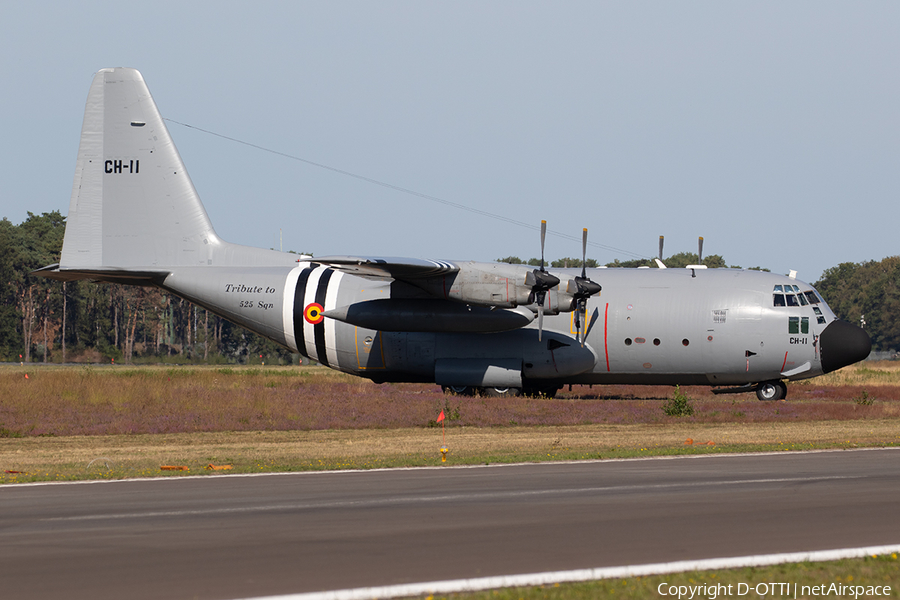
769 391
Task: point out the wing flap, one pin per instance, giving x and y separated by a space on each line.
403 269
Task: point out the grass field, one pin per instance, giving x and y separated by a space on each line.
75 423
63 423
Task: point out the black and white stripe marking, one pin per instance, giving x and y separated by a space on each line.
308 283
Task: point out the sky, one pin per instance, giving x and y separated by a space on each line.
450 129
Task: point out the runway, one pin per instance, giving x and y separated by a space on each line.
237 536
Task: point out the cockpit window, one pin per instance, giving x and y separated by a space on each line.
820 318
790 295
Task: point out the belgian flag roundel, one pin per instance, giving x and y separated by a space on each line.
313 313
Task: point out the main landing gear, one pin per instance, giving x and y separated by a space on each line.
500 392
769 391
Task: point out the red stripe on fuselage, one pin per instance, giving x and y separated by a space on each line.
605 345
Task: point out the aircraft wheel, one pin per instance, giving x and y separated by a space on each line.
769 391
496 392
459 390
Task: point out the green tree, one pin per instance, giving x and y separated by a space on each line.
631 264
36 243
10 336
867 292
573 263
512 260
683 259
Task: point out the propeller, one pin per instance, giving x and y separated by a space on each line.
584 289
541 282
659 262
700 251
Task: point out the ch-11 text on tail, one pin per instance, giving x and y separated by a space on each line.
135 218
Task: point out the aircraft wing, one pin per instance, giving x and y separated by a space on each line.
403 269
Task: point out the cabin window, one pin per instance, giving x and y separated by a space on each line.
778 299
802 299
778 288
791 300
812 297
820 319
798 325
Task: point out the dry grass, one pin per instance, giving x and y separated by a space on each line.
125 422
78 457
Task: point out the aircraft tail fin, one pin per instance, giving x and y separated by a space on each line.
133 206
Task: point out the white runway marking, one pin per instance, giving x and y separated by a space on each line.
533 579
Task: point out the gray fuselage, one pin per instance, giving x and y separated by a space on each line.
651 326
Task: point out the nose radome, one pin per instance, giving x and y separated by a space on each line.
842 344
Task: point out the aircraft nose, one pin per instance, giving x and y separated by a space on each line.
842 344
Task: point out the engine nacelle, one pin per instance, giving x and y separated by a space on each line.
498 285
430 315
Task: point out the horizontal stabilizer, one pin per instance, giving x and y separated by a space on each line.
122 276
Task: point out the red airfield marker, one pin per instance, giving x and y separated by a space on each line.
444 448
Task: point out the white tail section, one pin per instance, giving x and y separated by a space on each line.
133 204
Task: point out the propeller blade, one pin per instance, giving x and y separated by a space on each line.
543 237
581 320
661 239
700 251
540 318
584 253
584 324
541 282
584 289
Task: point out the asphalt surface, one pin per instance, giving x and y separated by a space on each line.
233 536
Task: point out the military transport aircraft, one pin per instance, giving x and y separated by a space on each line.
498 329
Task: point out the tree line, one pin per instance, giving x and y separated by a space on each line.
43 320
